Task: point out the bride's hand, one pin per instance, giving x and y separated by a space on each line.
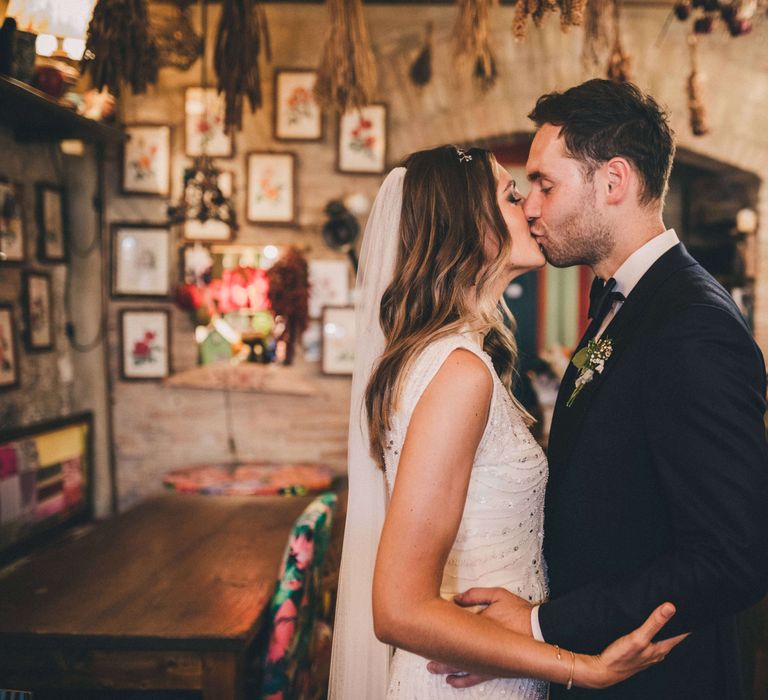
629 654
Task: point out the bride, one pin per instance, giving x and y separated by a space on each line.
445 479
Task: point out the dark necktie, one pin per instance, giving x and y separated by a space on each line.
601 298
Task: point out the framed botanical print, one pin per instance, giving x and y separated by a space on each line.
271 191
38 311
51 222
338 349
297 116
145 344
12 231
141 260
204 124
213 229
146 167
9 349
328 285
362 140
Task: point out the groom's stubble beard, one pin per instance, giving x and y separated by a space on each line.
582 238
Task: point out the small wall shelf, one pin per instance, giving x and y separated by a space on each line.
35 116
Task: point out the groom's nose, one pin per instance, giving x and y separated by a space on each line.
531 207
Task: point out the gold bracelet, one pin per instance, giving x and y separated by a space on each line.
573 668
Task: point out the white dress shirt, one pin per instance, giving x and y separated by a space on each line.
627 277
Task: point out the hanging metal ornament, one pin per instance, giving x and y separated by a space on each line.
697 110
346 77
119 47
421 68
241 34
619 62
473 41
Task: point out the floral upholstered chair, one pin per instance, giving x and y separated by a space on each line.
295 603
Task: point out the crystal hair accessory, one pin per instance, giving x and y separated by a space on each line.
464 157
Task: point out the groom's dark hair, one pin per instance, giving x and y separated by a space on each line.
601 119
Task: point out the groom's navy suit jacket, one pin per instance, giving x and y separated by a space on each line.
658 487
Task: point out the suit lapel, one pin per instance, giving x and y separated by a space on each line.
567 421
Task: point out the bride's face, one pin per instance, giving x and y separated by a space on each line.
525 254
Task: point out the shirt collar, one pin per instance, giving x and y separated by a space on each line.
637 264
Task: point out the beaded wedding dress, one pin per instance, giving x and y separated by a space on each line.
499 541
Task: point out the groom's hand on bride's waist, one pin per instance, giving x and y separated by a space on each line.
503 607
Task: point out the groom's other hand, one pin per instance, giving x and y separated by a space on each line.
503 607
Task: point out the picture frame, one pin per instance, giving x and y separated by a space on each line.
141 260
212 230
145 344
13 232
271 188
362 140
296 114
9 349
38 311
146 163
204 124
51 222
328 284
338 346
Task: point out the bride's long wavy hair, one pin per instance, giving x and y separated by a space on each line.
443 276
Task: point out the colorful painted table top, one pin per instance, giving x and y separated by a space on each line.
251 479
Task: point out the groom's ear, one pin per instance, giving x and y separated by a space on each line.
618 180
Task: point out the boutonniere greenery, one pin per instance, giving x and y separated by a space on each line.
590 360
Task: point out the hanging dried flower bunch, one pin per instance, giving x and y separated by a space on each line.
346 77
696 108
421 68
177 42
737 15
119 47
289 295
619 61
242 32
473 39
598 33
571 14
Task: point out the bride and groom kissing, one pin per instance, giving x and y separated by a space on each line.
616 565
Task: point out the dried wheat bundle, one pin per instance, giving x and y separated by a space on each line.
119 47
473 40
346 77
241 33
696 108
571 14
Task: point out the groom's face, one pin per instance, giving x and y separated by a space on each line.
562 206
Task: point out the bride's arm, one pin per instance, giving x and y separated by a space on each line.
421 524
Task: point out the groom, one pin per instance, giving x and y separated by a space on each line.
658 486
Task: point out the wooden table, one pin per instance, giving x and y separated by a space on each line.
168 595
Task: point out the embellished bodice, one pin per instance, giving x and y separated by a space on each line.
499 541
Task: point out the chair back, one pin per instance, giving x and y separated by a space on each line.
295 603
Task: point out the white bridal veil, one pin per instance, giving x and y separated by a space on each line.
360 663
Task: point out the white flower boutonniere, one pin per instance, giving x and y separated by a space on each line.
590 360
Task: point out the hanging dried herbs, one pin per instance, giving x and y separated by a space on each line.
421 69
473 39
346 77
119 47
619 61
571 14
696 108
241 34
177 43
598 33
